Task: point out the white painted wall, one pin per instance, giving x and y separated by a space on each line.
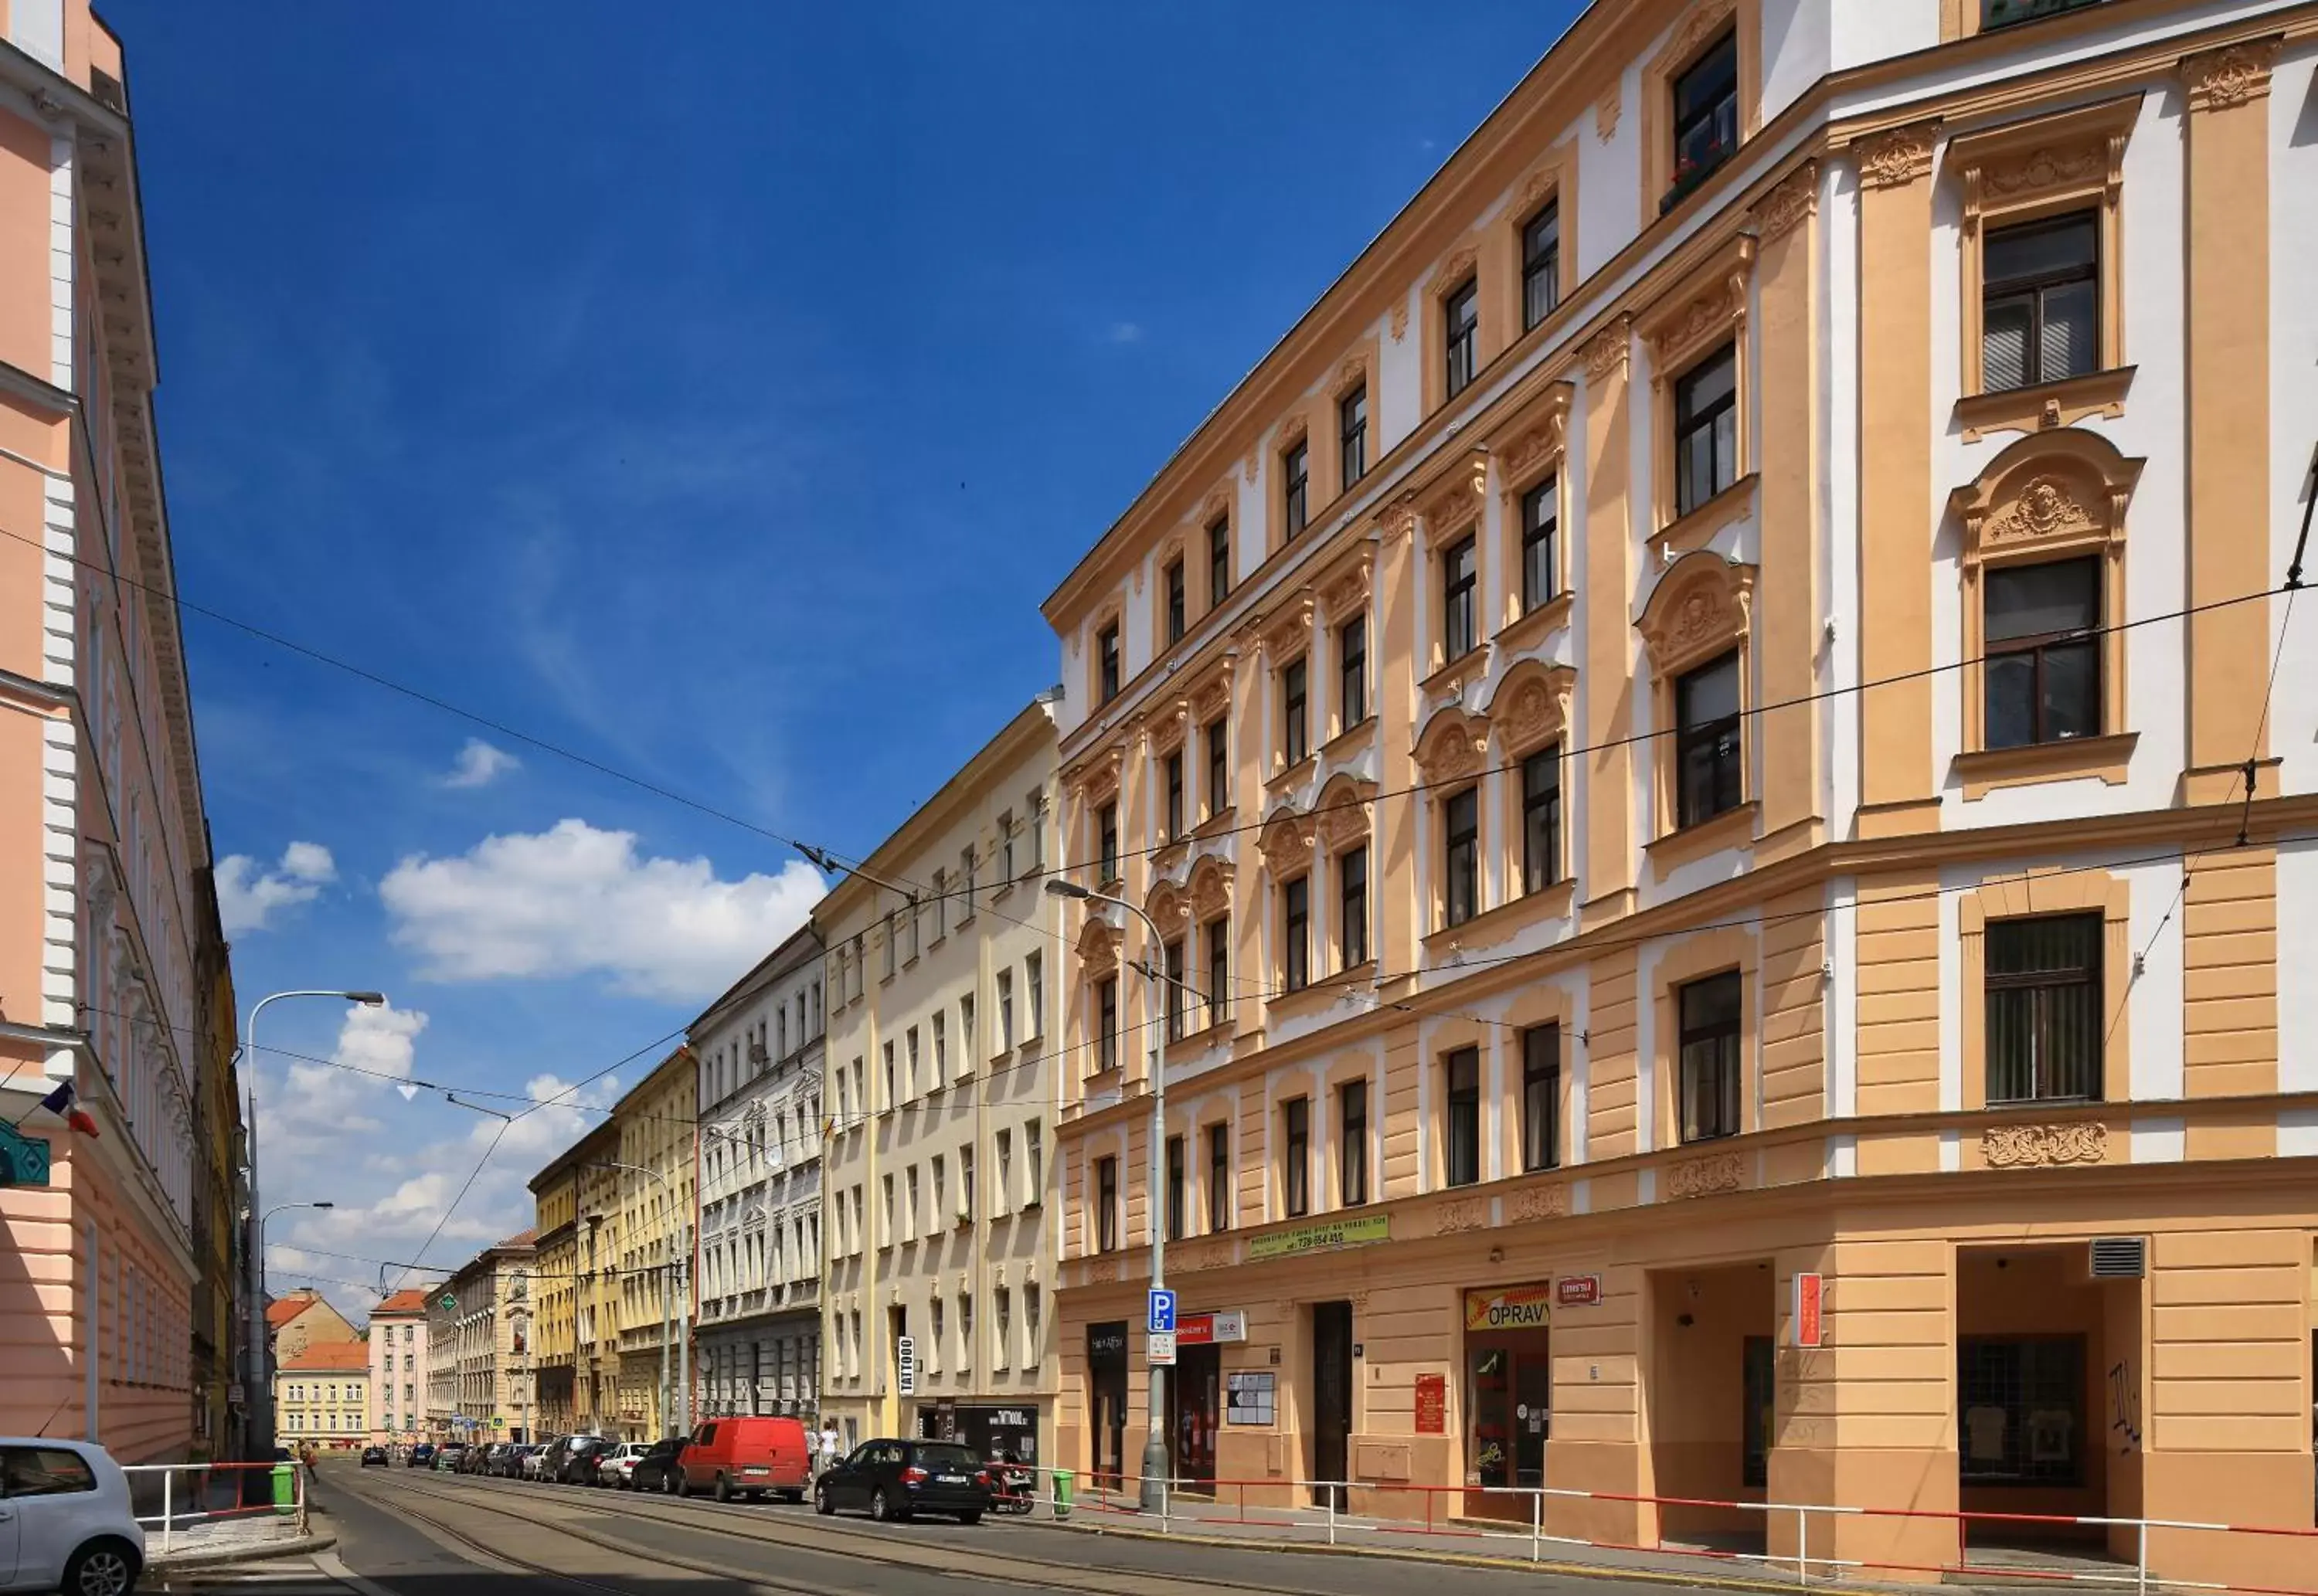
1796 44
1610 181
1863 30
37 27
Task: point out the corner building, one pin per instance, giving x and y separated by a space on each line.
1721 945
940 1099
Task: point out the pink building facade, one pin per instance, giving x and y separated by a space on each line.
103 846
397 1368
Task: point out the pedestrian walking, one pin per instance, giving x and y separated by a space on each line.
828 1445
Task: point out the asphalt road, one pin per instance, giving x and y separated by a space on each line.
412 1534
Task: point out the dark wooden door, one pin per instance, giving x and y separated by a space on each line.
1332 1394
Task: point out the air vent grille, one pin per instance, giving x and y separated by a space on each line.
2120 1258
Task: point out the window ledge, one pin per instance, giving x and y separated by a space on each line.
1452 674
1215 825
2072 758
1358 731
1199 1041
1730 829
2047 405
1549 902
1288 776
1324 993
1528 630
1693 530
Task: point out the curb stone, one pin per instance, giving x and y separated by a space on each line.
254 1552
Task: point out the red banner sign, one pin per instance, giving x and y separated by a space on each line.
1432 1404
1808 1291
1577 1291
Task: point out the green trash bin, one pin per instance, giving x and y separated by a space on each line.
1063 1480
285 1488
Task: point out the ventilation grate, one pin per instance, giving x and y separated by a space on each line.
2120 1258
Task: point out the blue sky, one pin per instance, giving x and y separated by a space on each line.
714 390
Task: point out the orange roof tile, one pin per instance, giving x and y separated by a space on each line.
521 1238
345 1358
402 1301
278 1315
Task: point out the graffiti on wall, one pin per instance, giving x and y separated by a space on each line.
2123 1406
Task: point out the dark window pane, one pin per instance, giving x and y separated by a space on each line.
1461 817
1352 662
1219 1193
2044 1030
1353 1162
1352 908
1218 563
1541 265
1705 430
1541 1097
2040 307
1463 1070
1459 569
1708 769
1353 427
1540 819
2043 678
1709 1058
1460 314
1296 726
1175 602
1705 116
1295 927
1541 518
1297 1115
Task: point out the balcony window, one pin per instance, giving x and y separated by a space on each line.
1460 573
1708 771
1296 489
1296 1174
2040 301
1106 1204
1352 1148
1106 1020
1705 430
1461 856
1296 932
1352 672
1710 1066
1705 117
1541 1096
1541 819
1541 525
1176 618
1352 908
1295 716
1218 560
1352 434
1107 663
1461 315
2043 1010
1462 1140
2043 670
1541 265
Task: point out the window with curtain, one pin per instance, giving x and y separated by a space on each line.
2040 301
1296 932
1461 817
1541 819
2044 1003
1352 1151
1542 1097
1711 1069
1296 1174
1220 1192
1352 908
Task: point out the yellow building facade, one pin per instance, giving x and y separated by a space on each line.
1698 736
555 1294
655 1187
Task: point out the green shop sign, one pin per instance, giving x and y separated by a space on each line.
1325 1237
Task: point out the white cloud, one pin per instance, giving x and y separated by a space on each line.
574 901
306 1111
1125 332
249 894
480 764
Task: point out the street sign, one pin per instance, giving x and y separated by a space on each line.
498 1423
905 1366
1159 1347
450 1303
1577 1291
1163 1310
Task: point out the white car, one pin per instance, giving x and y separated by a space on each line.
66 1522
618 1466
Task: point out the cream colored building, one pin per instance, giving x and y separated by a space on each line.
940 1094
655 1187
1740 933
479 1345
321 1394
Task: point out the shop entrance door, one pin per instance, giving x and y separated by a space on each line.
1196 1389
1107 1368
1332 1394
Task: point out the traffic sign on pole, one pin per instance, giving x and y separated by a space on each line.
1163 1311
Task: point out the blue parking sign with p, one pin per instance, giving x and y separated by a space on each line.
1163 1310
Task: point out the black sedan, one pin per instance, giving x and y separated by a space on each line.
657 1469
575 1464
898 1479
374 1458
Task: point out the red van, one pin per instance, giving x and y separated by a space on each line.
752 1456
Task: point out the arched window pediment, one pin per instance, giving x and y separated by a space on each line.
2052 491
1699 607
1530 707
1453 744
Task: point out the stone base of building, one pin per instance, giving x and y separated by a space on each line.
1914 1352
769 1364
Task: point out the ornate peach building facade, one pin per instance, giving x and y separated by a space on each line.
1699 738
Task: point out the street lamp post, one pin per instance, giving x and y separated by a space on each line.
1157 1469
261 1390
672 1318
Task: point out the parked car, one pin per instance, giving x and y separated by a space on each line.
748 1457
422 1455
495 1456
374 1458
538 1458
657 1469
449 1456
511 1465
72 1528
899 1479
615 1467
578 1464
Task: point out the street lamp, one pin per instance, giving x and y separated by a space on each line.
668 1316
1156 1467
261 1388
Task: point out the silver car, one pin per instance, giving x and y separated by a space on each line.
71 1522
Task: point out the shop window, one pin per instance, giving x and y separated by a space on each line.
1177 601
1542 1097
1295 713
1218 560
2020 1410
1296 489
1541 819
1352 1153
1353 673
1509 1388
1459 576
1296 932
1353 435
1171 773
1106 1023
2042 669
1295 1167
1711 1063
1460 320
1708 767
2043 995
1460 858
1705 430
1106 1204
2040 301
1705 117
1176 1176
1540 522
1220 1191
1541 264
1461 1139
1352 909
